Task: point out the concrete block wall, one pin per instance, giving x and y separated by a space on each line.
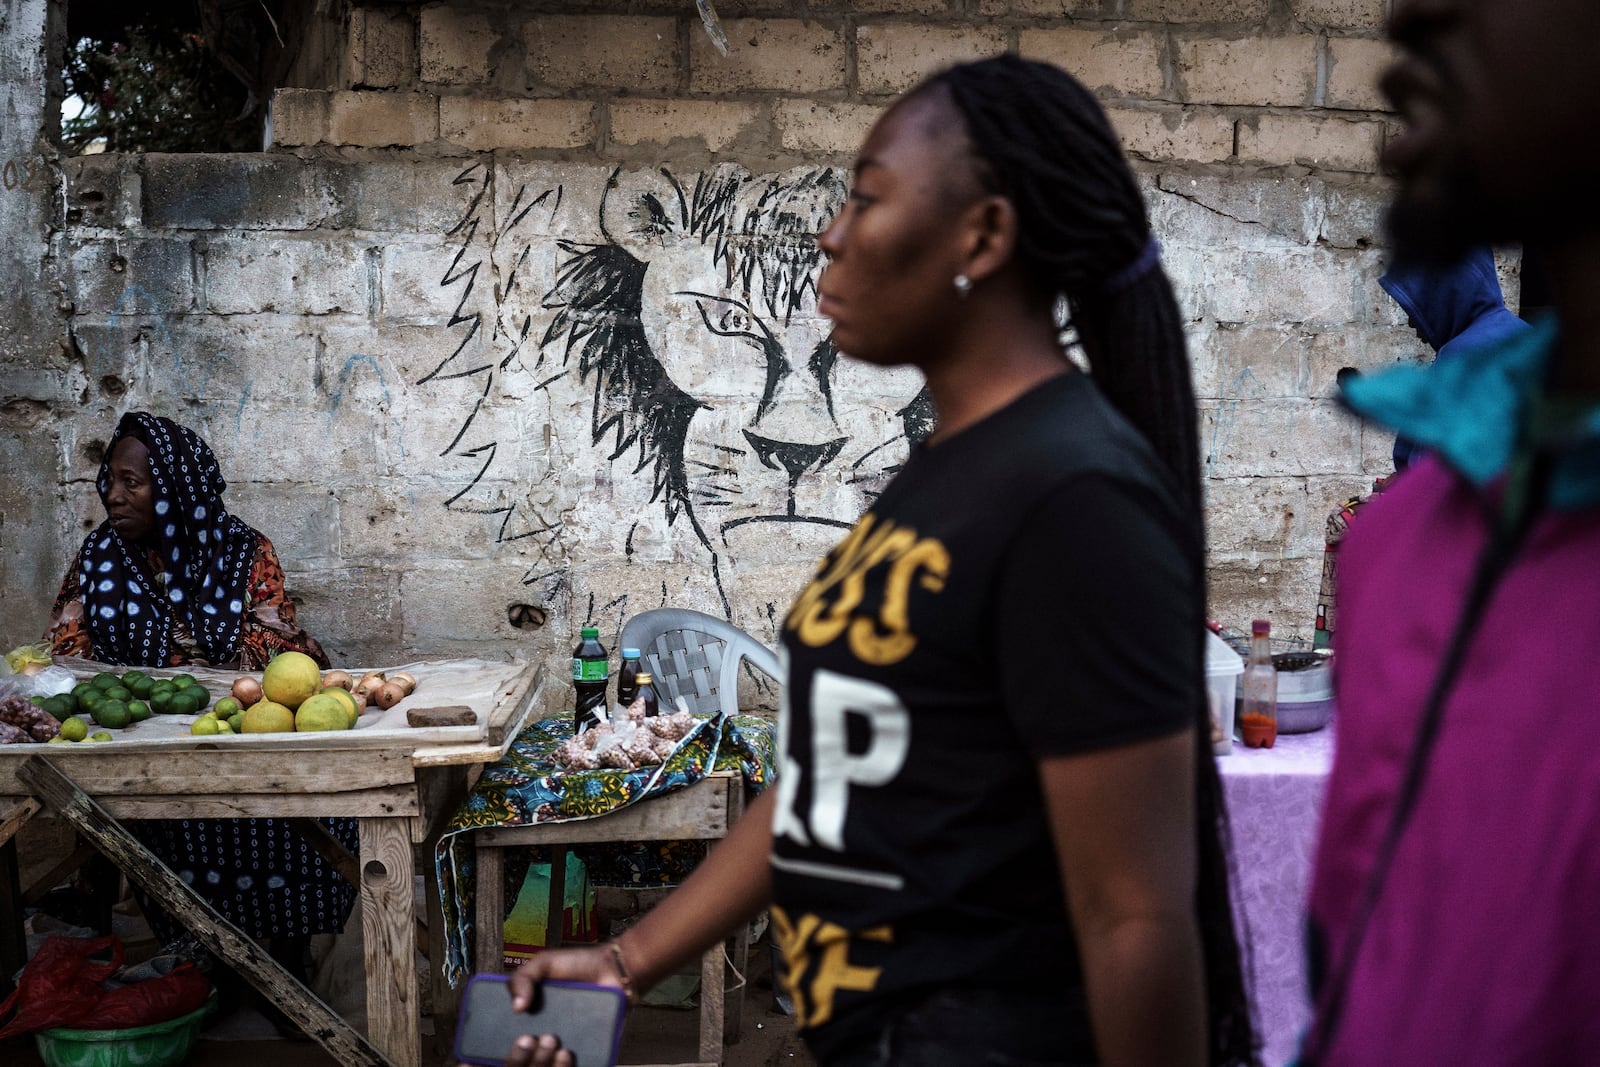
406 329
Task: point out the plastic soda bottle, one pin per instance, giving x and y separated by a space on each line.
647 693
628 677
591 674
1258 690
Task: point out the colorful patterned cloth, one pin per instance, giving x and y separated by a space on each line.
527 786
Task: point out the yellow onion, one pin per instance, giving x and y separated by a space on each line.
247 690
405 681
341 679
388 695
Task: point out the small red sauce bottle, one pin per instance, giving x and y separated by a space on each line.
1258 688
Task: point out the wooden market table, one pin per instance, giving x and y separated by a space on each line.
400 785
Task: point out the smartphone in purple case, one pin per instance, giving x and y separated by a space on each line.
586 1018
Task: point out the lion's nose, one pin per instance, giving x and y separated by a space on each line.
795 457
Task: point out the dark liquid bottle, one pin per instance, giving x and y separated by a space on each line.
628 677
591 672
647 693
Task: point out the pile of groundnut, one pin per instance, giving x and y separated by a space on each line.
22 722
627 741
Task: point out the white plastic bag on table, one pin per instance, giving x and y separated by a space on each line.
45 683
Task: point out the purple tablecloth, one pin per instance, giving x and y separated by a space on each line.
1274 798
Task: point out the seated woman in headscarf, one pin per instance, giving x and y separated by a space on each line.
170 579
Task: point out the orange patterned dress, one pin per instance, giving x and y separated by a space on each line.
269 623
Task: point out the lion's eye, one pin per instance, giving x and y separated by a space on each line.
734 320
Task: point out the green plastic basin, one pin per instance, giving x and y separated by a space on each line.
157 1045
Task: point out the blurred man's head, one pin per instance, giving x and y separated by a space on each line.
1501 104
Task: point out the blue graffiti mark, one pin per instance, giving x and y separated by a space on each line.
347 374
133 292
238 415
1227 411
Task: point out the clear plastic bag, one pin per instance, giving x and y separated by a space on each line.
45 683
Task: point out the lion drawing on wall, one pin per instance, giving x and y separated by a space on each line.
694 331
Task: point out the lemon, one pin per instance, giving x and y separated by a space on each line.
74 728
343 697
227 708
266 717
99 735
224 727
204 725
290 678
322 712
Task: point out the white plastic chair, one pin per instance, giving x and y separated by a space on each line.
695 656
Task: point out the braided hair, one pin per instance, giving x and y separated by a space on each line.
1042 141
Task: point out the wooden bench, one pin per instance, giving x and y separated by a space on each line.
703 811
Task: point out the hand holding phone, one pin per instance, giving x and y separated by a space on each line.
585 1018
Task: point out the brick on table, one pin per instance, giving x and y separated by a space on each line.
617 51
1256 71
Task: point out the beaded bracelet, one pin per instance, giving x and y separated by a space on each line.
622 972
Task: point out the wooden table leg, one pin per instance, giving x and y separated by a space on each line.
489 926
13 941
389 933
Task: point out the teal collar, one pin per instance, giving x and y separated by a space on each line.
1475 409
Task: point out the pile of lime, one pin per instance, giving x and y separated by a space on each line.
117 701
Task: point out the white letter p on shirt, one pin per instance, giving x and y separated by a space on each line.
834 768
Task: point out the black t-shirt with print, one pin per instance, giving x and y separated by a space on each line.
1019 591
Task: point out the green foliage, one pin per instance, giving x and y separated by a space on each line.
159 89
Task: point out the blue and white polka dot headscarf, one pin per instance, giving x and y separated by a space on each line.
205 552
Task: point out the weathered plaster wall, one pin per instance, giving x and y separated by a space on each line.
471 405
37 381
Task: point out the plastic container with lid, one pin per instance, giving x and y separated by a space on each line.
1223 668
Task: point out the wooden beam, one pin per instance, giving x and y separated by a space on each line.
62 796
17 818
57 874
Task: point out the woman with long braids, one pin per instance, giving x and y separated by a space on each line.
996 836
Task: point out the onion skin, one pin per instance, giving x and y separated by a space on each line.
247 691
407 684
369 682
388 695
341 679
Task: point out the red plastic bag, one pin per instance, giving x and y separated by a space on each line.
155 1000
62 986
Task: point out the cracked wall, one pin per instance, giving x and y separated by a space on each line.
473 414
